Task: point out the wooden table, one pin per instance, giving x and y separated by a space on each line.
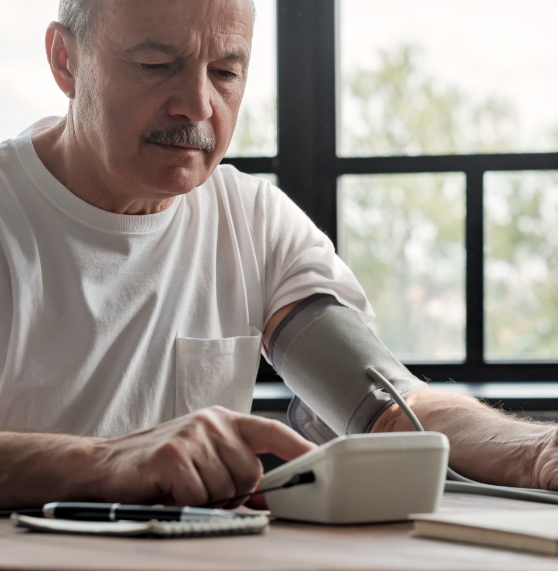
284 546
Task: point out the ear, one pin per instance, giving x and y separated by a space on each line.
61 48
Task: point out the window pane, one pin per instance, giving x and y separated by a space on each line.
443 77
256 129
521 265
29 93
403 237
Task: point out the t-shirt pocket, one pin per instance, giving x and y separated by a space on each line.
216 372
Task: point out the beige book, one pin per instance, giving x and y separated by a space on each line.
521 530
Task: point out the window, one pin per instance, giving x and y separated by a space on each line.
426 87
521 266
256 128
445 76
403 235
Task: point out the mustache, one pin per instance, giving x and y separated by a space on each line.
191 134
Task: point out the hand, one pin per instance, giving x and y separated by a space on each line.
545 468
202 457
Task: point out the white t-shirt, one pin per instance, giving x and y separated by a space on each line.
110 323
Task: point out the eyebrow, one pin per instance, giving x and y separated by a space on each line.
153 46
236 56
171 49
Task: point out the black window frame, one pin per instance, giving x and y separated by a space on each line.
308 169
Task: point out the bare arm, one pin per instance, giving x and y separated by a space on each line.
275 320
486 445
36 468
205 456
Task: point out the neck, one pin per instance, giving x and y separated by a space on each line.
80 171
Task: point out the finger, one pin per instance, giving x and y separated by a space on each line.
243 465
184 485
216 476
225 464
271 436
257 502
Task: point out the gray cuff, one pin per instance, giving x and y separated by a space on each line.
378 401
294 322
323 352
307 423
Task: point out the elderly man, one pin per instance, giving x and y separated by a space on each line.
136 276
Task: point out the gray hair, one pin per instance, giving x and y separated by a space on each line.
79 17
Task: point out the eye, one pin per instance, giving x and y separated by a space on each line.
155 66
227 74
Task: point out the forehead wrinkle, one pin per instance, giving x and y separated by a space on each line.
171 49
232 26
224 29
222 42
225 40
153 46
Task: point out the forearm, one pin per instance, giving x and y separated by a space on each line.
486 445
204 456
38 468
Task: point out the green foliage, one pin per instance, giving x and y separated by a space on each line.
403 235
521 273
399 109
256 130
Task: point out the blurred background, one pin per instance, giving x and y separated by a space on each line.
421 135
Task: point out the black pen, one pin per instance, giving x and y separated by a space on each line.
116 512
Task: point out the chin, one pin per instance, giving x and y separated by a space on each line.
181 182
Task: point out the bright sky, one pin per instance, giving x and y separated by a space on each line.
29 93
487 47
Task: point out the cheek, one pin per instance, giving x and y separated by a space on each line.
88 98
226 110
123 108
127 118
130 115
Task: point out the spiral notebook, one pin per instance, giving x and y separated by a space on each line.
241 525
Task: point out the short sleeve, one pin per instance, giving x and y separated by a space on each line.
300 260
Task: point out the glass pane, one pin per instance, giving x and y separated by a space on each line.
256 128
29 93
403 237
443 77
521 265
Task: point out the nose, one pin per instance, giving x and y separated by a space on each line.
191 96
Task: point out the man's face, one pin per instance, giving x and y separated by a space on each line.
159 89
